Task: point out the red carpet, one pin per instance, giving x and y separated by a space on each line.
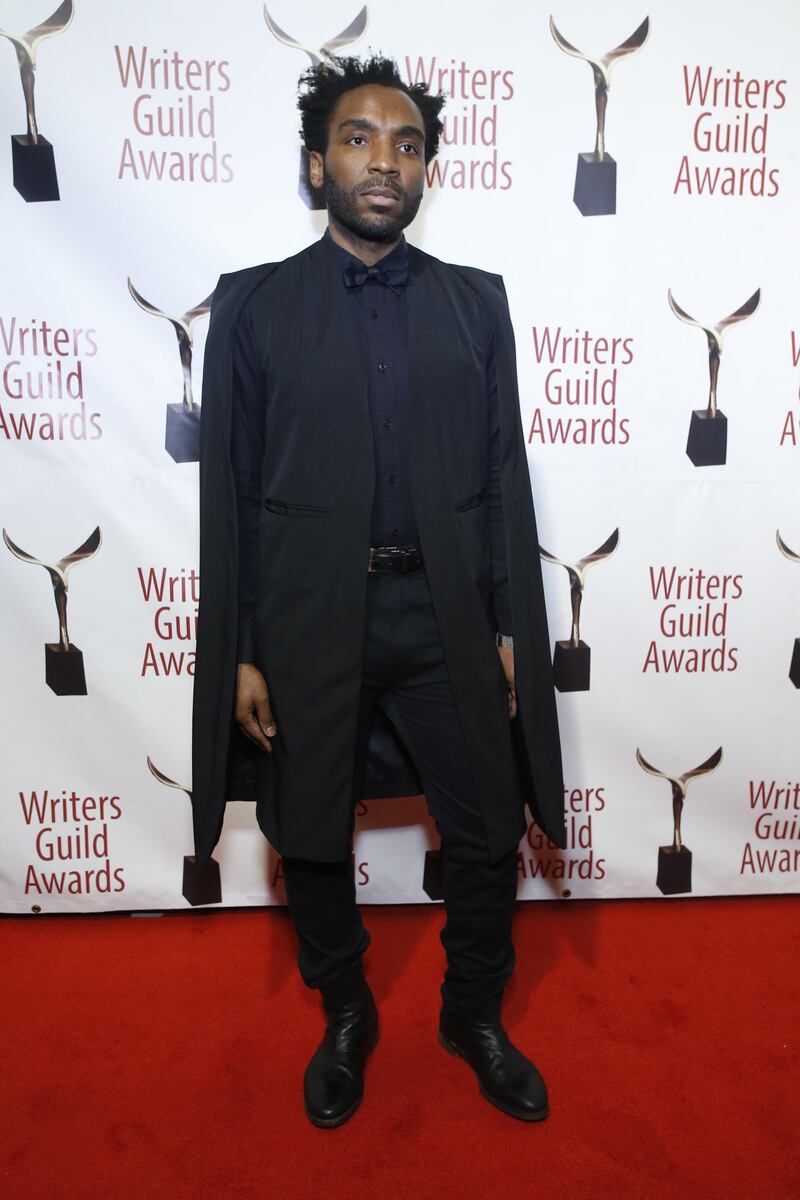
163 1057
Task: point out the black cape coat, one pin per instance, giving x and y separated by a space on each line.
318 481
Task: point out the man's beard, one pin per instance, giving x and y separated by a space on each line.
371 226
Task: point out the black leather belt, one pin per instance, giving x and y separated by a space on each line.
395 558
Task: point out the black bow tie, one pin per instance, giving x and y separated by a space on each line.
394 275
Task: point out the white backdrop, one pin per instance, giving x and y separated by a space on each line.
74 343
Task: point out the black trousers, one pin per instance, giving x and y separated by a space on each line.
405 673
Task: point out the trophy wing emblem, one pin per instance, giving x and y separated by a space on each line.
651 770
715 333
200 310
59 570
679 786
162 778
182 324
578 569
605 551
25 47
551 558
629 46
566 46
57 22
604 64
601 69
741 314
577 576
351 34
87 550
184 331
784 549
22 554
682 315
680 782
705 768
282 37
59 575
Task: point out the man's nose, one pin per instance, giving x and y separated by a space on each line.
385 158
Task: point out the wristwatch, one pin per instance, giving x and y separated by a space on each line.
505 640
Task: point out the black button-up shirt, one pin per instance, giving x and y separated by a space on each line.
381 311
382 321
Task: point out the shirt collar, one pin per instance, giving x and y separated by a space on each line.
397 254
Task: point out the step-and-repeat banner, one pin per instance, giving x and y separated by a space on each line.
632 169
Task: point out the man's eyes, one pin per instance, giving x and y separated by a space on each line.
357 137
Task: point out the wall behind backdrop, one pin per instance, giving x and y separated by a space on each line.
156 146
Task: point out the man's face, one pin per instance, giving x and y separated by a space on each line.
373 172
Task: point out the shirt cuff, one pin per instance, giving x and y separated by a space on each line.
502 611
246 646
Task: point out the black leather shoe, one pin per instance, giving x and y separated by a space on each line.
334 1080
506 1077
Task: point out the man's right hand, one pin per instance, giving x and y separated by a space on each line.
253 712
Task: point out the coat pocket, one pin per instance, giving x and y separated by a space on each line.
471 501
282 509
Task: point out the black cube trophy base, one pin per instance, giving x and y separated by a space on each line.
432 876
201 885
63 670
34 169
674 870
707 444
572 667
596 185
794 669
182 442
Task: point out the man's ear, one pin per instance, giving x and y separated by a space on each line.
316 168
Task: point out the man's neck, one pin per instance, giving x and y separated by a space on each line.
369 252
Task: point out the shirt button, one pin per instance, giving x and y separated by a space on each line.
373 312
381 366
390 478
395 532
387 424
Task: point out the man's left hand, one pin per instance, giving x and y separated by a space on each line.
507 659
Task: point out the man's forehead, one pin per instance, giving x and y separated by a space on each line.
375 102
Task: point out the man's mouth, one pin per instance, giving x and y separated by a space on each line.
382 196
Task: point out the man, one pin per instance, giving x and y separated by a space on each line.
368 541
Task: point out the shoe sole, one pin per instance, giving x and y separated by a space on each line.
332 1122
520 1114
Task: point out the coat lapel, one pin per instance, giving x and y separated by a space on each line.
331 376
436 368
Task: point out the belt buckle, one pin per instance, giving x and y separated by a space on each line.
373 552
403 558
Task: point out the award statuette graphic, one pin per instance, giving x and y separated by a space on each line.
596 176
707 444
63 660
182 441
201 885
794 669
675 861
572 658
311 196
31 154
